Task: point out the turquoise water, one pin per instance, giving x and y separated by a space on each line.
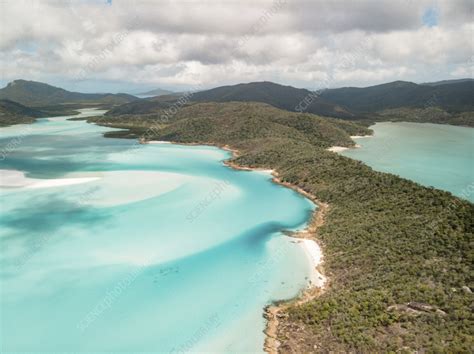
435 155
166 250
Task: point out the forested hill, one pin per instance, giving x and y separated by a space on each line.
445 102
32 93
453 97
350 102
398 255
15 113
285 97
239 120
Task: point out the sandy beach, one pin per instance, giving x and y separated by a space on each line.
360 136
337 148
17 179
315 256
157 142
344 148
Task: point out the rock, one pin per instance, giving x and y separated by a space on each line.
467 289
397 307
416 308
420 306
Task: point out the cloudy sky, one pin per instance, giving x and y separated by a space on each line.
112 45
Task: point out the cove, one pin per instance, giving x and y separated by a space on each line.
152 248
430 154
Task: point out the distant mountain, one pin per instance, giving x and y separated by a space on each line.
285 97
32 93
444 102
446 82
144 106
280 96
156 92
454 97
448 102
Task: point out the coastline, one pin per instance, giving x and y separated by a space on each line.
307 240
344 148
310 246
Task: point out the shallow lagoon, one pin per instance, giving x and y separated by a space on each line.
435 155
167 250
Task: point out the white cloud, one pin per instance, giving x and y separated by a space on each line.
303 43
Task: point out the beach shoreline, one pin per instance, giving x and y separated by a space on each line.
311 247
306 239
344 148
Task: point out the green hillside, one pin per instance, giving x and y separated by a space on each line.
280 96
15 113
143 106
453 99
35 94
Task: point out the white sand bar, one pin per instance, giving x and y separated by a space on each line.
17 179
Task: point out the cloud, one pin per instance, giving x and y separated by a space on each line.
304 43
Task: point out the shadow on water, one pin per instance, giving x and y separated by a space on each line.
61 154
48 216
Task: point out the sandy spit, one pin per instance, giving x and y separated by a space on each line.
17 179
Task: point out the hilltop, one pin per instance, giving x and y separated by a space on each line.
37 94
453 97
156 92
447 103
444 102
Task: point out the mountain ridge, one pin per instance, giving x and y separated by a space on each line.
34 94
373 103
156 92
445 102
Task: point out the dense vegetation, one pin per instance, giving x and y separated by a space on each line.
426 115
453 97
447 102
15 113
234 122
285 97
144 106
31 93
398 255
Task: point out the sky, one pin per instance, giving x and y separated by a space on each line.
132 46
